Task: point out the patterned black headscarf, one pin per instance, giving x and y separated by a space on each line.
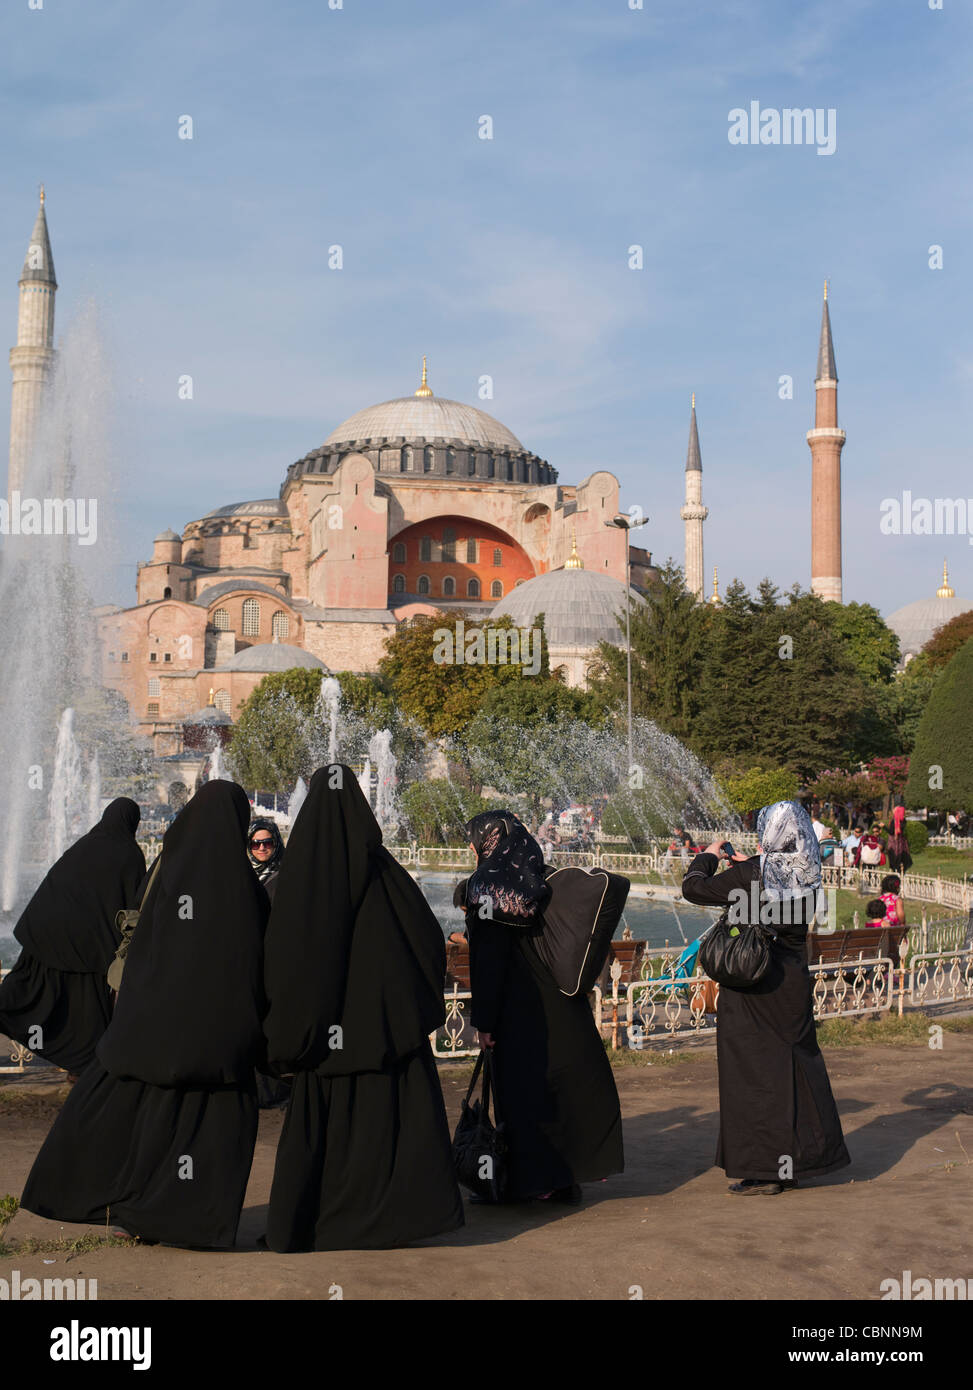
272 866
509 869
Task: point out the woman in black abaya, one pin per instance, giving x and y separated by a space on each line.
158 1134
778 1118
355 964
555 1091
56 1000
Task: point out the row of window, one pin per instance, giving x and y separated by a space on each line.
279 623
447 553
448 590
221 699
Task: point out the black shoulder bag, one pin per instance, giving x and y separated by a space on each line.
735 955
479 1147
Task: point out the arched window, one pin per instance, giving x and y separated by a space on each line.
423 585
398 553
496 589
472 588
449 587
167 592
398 584
497 558
153 708
449 545
428 459
222 700
471 552
251 617
155 687
221 620
450 460
408 460
425 548
280 625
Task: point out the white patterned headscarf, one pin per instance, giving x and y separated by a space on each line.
790 856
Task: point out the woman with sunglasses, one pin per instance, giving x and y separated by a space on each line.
265 847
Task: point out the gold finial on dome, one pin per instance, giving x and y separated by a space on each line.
945 591
212 696
424 388
574 560
714 597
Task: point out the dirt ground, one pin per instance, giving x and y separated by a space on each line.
666 1225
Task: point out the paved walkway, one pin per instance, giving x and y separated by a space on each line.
667 1225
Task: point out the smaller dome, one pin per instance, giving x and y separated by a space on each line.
916 622
210 715
168 535
272 656
580 606
265 506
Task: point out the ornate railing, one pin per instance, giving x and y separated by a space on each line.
940 977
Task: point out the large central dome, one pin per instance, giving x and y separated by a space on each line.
429 437
425 417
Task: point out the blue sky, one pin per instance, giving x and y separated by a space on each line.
508 257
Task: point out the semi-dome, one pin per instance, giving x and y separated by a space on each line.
267 657
580 606
916 622
167 535
264 506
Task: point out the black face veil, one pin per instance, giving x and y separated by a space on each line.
190 1005
355 958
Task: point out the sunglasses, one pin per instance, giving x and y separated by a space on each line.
261 844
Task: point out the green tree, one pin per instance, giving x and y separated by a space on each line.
436 811
873 646
422 672
761 787
941 766
667 635
273 743
947 640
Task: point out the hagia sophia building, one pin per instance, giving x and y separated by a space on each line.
417 505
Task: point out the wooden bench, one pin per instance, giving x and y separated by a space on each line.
457 965
849 944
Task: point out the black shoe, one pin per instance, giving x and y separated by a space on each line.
755 1187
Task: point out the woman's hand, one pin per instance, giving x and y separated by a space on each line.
485 1039
715 848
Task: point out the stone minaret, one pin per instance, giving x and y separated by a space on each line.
826 442
32 359
694 513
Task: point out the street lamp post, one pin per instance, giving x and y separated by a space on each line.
626 523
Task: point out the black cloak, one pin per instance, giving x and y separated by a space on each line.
158 1134
775 1097
68 935
355 965
555 1091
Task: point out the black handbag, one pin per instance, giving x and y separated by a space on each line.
735 956
479 1147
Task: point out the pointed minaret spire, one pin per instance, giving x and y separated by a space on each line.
694 513
827 371
826 442
32 360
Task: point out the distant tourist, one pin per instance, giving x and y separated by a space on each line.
875 913
870 852
778 1119
555 1092
897 846
820 829
894 906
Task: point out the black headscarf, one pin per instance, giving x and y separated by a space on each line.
509 870
69 923
351 943
190 1005
271 866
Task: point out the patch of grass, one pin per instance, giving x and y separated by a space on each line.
80 1245
887 1031
654 1054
